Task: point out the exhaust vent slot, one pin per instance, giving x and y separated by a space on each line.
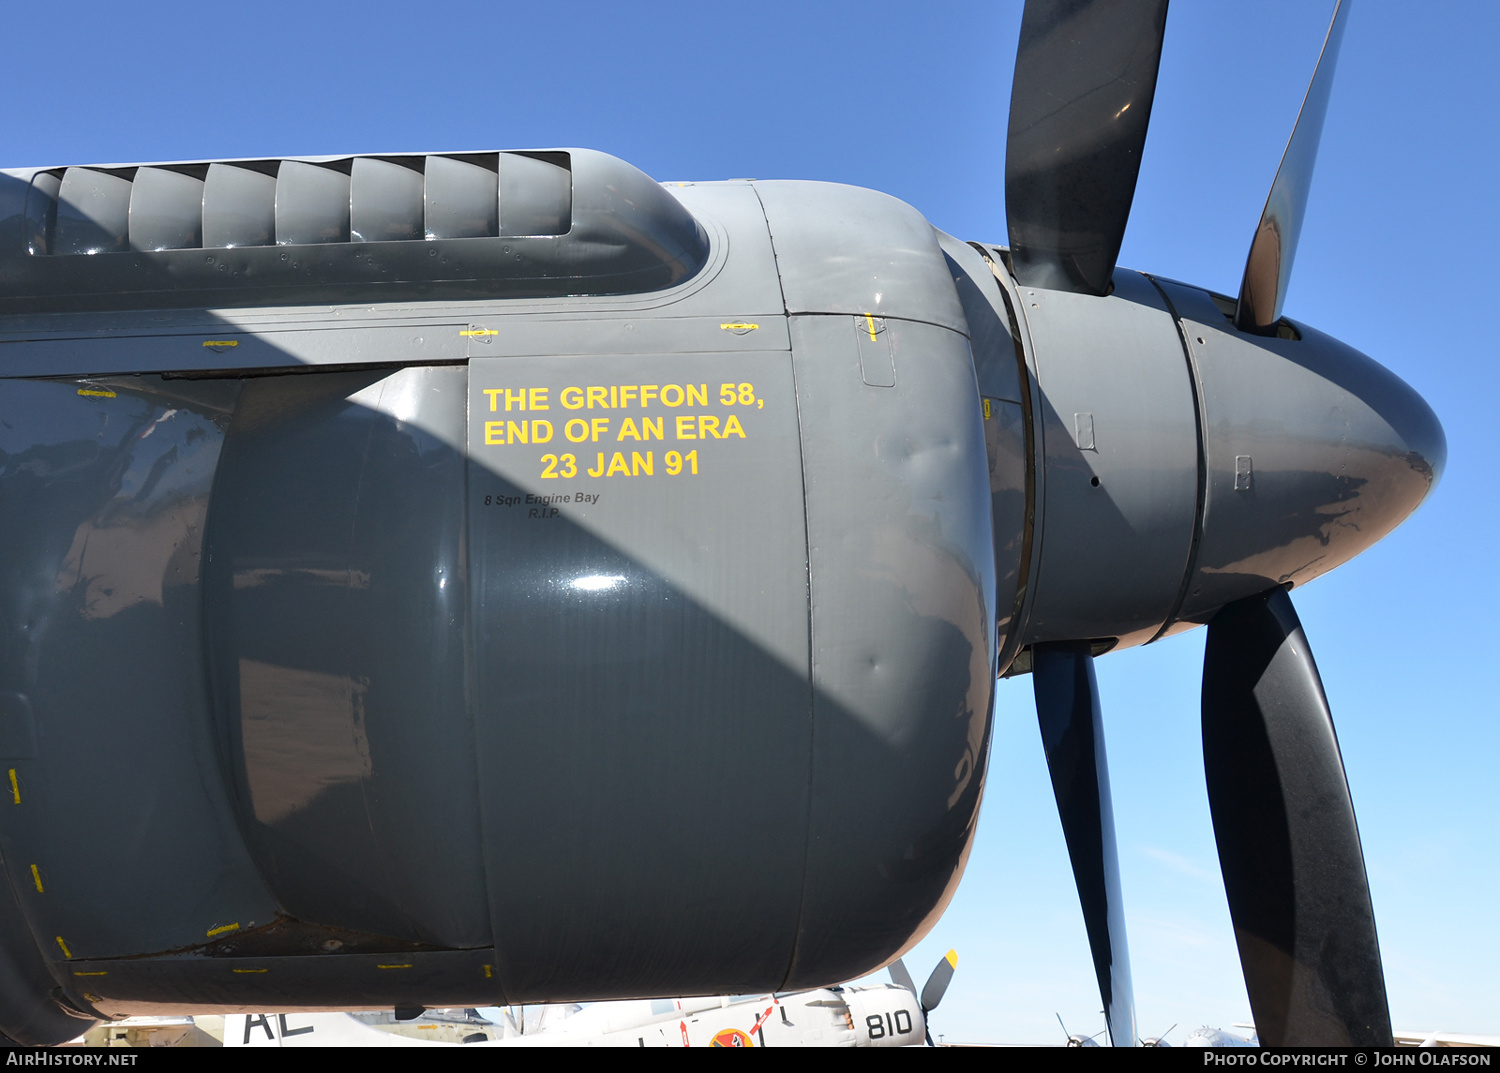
536 194
41 212
93 212
385 200
312 204
462 197
166 210
239 206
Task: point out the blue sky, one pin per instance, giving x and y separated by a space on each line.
1394 259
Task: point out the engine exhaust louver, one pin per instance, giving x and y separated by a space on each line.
335 230
89 211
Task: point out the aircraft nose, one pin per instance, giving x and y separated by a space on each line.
1314 452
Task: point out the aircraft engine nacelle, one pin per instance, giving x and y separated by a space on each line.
499 578
568 644
885 1016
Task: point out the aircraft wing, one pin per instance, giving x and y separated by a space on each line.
1445 1039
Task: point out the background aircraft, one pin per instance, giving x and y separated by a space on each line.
892 1014
881 1015
876 1015
1435 941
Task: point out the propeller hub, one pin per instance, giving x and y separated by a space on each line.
1185 464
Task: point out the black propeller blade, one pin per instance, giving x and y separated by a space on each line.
1067 706
1288 845
1268 269
1079 107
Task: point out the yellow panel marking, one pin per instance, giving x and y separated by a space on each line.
870 327
15 787
99 973
221 342
221 929
952 959
986 409
36 877
66 952
92 998
393 966
489 971
481 331
100 392
738 327
251 971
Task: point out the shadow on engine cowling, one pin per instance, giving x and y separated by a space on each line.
657 806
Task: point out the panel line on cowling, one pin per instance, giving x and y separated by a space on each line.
811 688
1195 381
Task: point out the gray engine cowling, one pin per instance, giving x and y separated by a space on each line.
540 649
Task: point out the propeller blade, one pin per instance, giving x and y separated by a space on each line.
937 983
935 988
1079 107
900 977
1268 269
1067 706
1289 849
